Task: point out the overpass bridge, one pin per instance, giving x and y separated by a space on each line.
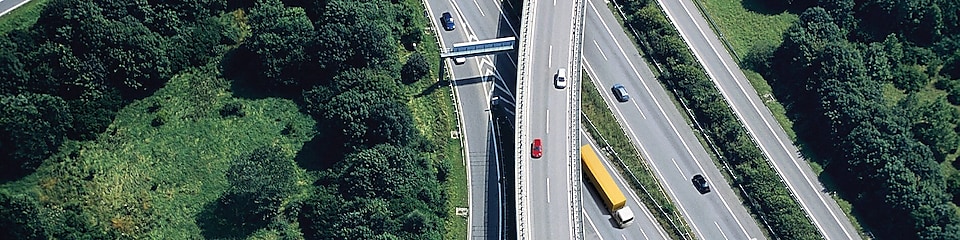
548 190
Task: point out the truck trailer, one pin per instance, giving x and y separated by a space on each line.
612 196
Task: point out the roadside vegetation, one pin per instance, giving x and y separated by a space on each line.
873 89
217 119
766 195
22 17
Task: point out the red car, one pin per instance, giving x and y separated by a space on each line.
536 151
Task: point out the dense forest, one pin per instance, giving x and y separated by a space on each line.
345 63
873 86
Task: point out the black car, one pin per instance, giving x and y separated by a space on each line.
620 92
447 21
701 184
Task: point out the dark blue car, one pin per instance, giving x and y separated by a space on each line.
620 92
447 21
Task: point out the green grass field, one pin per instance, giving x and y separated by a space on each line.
148 180
22 17
747 29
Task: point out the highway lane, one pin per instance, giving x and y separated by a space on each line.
598 222
8 5
773 140
474 83
548 181
657 127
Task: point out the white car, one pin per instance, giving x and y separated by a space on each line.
459 60
561 79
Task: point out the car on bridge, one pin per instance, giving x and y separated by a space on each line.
560 80
536 149
447 21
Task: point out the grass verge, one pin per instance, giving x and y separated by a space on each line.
433 111
748 26
610 135
22 17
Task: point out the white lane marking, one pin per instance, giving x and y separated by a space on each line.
500 9
600 49
639 110
478 8
594 226
664 114
550 57
607 96
548 121
645 153
641 232
548 190
779 141
632 193
680 170
721 230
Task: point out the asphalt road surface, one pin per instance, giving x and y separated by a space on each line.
599 224
8 5
773 140
474 83
549 184
657 127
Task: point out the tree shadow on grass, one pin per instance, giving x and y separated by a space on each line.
433 87
772 7
240 66
217 221
320 153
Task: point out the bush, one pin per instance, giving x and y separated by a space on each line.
259 183
415 69
232 109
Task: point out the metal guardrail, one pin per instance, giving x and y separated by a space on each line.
576 202
522 227
676 216
742 124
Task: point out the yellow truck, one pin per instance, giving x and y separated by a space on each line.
612 196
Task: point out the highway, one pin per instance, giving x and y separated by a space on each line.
8 5
478 79
759 121
547 115
474 83
599 224
659 130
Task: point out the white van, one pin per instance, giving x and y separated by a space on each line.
561 79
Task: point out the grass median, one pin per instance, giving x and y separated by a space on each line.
602 126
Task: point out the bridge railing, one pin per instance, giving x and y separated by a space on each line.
576 45
521 183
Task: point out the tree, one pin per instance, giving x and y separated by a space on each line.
259 183
32 127
415 69
19 218
383 171
280 38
